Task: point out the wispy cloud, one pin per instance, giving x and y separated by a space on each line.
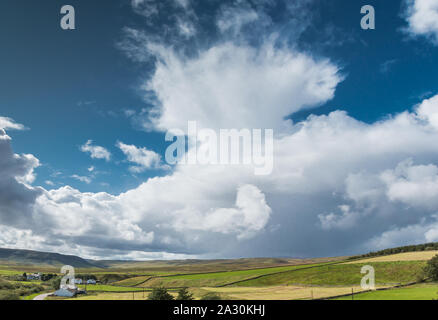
96 152
10 124
386 66
83 179
85 103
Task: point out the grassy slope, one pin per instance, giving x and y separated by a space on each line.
107 288
281 292
160 268
417 292
16 289
132 282
4 271
215 279
116 296
207 265
343 274
406 256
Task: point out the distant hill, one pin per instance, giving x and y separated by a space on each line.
28 257
202 266
16 257
35 258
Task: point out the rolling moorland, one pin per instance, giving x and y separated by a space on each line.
399 275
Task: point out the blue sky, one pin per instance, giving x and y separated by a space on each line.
78 84
68 87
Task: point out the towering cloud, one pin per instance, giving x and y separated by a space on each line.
334 177
339 185
235 86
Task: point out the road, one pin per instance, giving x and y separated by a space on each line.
42 296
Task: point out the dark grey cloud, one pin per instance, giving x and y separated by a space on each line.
16 198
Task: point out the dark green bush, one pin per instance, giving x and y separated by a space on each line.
184 294
55 283
431 269
160 294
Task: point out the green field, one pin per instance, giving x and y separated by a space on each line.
9 272
132 282
217 278
417 292
108 288
341 275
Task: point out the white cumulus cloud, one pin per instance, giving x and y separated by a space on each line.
143 158
422 18
334 177
236 86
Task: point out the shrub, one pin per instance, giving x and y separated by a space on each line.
48 276
55 283
9 295
184 294
5 285
421 276
431 269
160 294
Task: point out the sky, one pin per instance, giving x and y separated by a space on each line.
84 115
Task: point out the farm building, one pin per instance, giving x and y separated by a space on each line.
91 281
78 281
33 276
68 293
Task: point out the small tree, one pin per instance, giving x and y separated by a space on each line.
184 294
55 283
160 294
431 269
